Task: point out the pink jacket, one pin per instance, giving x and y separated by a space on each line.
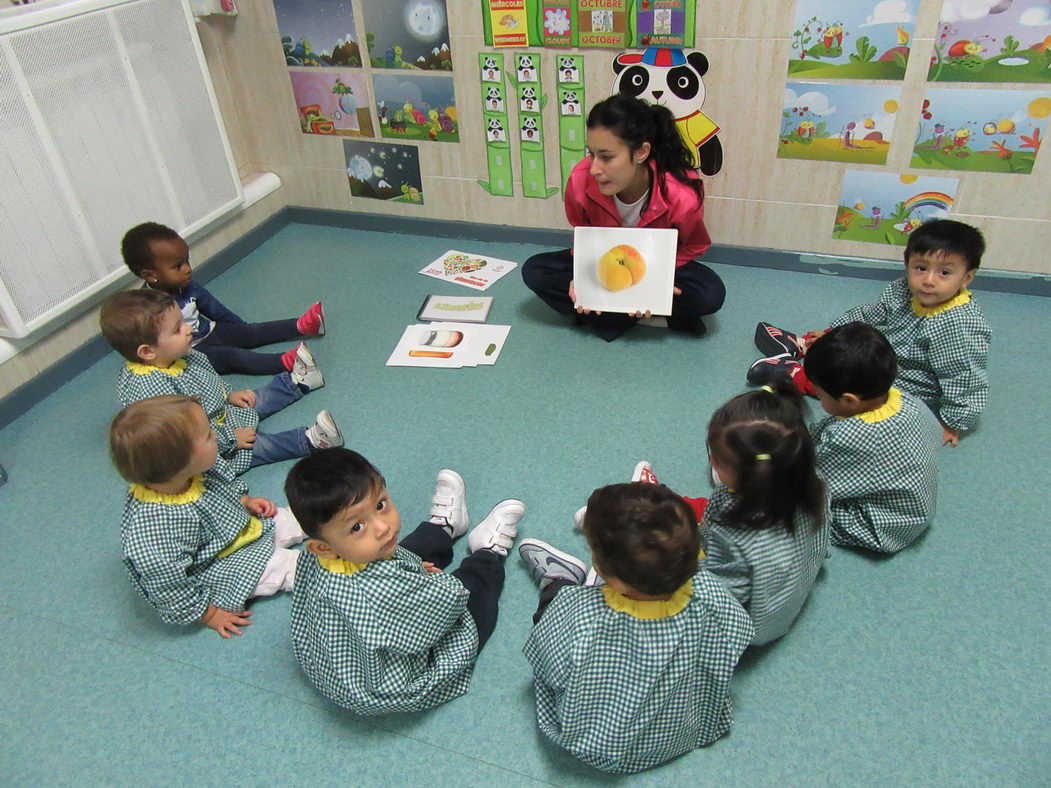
673 204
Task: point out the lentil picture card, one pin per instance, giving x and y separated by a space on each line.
471 270
624 269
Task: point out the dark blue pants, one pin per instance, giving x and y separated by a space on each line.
548 274
482 573
226 346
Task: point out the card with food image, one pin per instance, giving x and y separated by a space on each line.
624 269
472 270
449 345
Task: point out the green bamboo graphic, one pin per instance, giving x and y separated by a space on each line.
496 127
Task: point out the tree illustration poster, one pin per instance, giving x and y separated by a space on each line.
832 122
884 207
992 41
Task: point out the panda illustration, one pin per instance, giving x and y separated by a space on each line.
494 132
672 78
530 132
494 100
490 70
527 101
567 70
570 103
526 69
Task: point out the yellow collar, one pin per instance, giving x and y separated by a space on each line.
342 566
961 298
650 609
146 495
884 411
145 369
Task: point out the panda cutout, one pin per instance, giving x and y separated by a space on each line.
526 69
494 131
491 70
672 78
570 103
494 100
567 70
527 101
530 132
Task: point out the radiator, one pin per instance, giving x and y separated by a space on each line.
108 119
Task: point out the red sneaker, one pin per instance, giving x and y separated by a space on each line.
312 322
644 473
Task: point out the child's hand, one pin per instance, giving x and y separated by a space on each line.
225 622
430 568
262 507
244 399
810 337
245 437
950 436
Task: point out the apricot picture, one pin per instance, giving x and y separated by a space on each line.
621 267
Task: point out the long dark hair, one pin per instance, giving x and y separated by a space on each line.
636 121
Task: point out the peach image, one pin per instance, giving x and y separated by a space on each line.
621 267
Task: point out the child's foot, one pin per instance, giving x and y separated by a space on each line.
498 530
764 370
644 473
312 322
449 504
305 371
546 564
774 341
323 433
594 578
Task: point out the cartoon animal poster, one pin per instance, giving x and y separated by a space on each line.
408 34
862 39
831 122
992 41
500 179
884 207
380 171
984 130
318 34
416 107
332 102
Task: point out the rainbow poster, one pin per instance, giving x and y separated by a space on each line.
884 207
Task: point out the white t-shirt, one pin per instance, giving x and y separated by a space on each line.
631 213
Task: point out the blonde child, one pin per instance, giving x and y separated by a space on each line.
147 329
196 545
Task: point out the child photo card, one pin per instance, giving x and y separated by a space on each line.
622 269
884 207
471 270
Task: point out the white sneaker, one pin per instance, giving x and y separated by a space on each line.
644 473
305 369
449 504
594 578
498 530
578 517
546 564
323 433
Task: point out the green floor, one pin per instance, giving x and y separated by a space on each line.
929 668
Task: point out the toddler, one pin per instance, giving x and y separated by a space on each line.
196 545
878 447
146 327
936 328
636 671
158 255
376 625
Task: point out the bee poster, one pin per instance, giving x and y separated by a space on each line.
862 39
992 41
884 207
981 130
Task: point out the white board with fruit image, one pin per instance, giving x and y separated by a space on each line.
624 269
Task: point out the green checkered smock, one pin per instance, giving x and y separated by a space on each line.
194 376
172 543
882 474
942 351
623 693
384 637
770 571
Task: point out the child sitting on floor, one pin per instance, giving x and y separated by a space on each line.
146 327
878 447
936 328
637 671
376 625
195 544
159 256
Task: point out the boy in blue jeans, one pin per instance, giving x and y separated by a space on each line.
159 256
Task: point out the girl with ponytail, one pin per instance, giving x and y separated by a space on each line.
638 173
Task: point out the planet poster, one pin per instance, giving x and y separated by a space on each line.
379 171
408 34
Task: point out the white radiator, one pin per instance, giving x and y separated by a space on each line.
107 119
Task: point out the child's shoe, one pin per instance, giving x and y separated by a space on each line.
578 517
323 433
774 341
498 530
546 564
764 370
644 473
449 504
594 578
305 371
312 322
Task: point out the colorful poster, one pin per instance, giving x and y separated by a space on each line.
559 23
862 39
993 41
572 134
983 130
603 23
416 107
826 122
500 180
332 102
380 171
407 34
664 23
509 22
318 34
884 207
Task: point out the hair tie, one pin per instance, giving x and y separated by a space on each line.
771 390
762 457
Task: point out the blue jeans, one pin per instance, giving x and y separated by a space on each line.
279 393
225 346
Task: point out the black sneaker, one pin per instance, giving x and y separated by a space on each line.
764 370
775 341
693 326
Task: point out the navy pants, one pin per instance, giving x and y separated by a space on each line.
226 346
482 573
548 274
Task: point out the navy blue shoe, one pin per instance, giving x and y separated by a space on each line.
774 341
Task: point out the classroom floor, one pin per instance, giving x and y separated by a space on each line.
928 668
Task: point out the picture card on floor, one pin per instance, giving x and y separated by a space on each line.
472 270
466 309
449 345
624 269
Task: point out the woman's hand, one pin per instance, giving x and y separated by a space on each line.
573 297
